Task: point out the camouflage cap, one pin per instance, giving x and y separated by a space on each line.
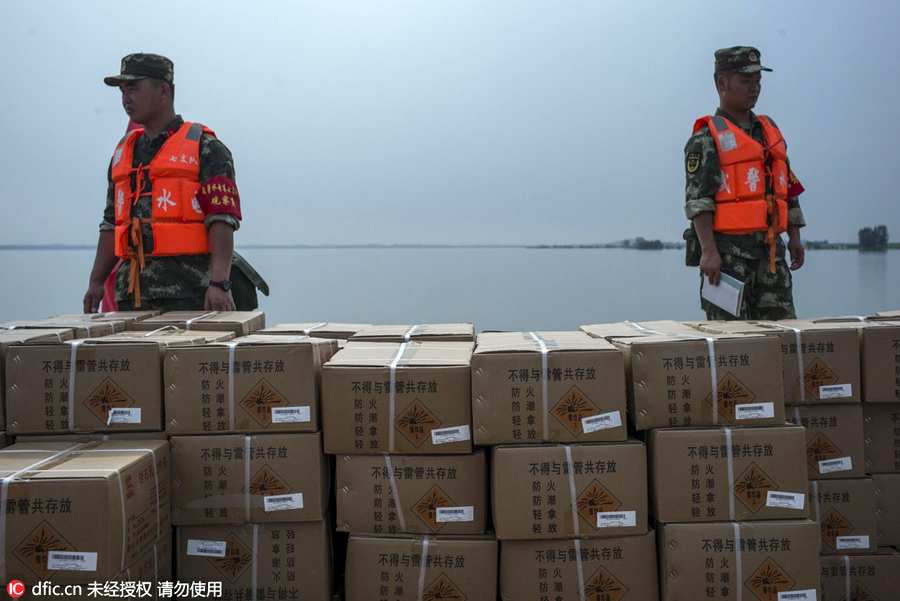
140 65
740 59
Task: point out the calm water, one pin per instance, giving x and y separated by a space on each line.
496 289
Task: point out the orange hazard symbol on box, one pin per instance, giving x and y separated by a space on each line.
260 401
769 580
106 397
752 487
266 482
833 525
818 374
426 507
416 423
821 449
573 408
238 558
730 392
603 586
442 588
37 546
596 499
859 593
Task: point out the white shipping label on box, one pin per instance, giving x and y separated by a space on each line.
454 514
124 416
836 391
283 502
206 548
842 464
785 500
286 415
604 421
71 561
754 411
807 595
851 542
616 519
457 434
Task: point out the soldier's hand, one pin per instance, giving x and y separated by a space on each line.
218 300
710 265
92 298
795 248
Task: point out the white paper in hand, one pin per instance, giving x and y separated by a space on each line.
727 295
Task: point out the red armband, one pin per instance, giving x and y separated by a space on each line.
795 188
220 195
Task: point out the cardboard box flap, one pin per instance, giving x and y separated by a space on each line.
168 336
241 322
58 460
79 328
410 354
630 329
506 342
442 331
28 336
259 338
341 331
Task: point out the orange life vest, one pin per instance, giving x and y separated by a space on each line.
177 219
742 205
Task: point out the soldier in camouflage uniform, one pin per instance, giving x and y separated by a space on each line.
167 282
767 295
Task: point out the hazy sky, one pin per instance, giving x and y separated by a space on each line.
457 122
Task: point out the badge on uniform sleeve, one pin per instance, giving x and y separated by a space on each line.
692 162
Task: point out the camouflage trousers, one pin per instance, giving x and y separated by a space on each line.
163 304
767 296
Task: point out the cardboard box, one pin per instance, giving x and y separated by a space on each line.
419 494
254 384
432 332
144 575
175 336
128 317
338 331
289 560
411 567
835 446
80 328
860 577
881 362
222 479
739 560
97 385
23 336
881 425
630 329
5 440
845 512
87 509
608 568
670 380
547 387
887 315
239 322
569 491
887 513
92 437
410 398
715 474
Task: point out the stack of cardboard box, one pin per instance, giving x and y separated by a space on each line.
251 483
569 489
410 490
727 482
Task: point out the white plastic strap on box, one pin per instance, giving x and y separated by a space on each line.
580 569
254 567
394 489
815 485
392 402
72 358
158 330
408 336
575 525
425 542
187 324
641 328
796 332
231 347
315 327
737 561
248 450
847 576
4 497
545 381
730 455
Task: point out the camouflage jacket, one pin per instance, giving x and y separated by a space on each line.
170 277
702 181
